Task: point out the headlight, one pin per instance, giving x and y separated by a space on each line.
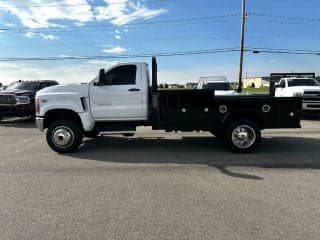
298 94
22 99
37 105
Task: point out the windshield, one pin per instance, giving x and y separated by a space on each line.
302 82
224 86
23 86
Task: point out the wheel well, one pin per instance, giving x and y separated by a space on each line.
60 114
255 117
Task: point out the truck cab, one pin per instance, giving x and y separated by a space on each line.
121 93
307 88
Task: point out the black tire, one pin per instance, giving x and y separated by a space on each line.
243 136
64 136
92 134
218 133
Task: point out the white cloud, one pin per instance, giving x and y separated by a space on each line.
120 13
48 36
41 17
79 24
42 35
78 12
116 49
30 35
117 37
10 24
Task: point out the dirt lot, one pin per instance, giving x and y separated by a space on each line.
160 186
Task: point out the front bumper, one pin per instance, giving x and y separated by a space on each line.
39 122
311 106
20 110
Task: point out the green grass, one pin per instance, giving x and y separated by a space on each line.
263 90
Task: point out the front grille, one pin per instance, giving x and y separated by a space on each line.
311 99
7 99
311 96
313 106
313 93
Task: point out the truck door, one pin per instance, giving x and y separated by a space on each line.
119 96
281 89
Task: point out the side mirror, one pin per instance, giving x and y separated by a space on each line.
280 85
102 75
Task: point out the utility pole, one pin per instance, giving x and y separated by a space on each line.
243 23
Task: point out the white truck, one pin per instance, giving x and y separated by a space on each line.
307 88
122 98
218 83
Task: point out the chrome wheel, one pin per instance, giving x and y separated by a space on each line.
62 137
243 136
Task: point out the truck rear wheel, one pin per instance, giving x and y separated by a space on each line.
243 136
64 136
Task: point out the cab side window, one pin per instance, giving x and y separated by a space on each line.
282 83
122 75
43 85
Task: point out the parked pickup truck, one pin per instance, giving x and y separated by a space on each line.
17 100
121 99
220 84
307 88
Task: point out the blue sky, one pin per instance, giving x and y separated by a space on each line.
44 28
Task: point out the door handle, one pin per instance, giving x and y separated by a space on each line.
134 90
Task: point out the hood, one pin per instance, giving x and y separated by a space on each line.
305 88
81 89
17 92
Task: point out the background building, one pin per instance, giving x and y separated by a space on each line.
256 82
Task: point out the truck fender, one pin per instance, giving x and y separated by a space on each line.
248 115
84 118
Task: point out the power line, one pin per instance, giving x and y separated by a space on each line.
294 18
104 26
167 54
283 51
144 55
198 37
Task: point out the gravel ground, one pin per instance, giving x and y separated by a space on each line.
160 186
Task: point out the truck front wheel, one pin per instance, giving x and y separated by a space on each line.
64 136
243 136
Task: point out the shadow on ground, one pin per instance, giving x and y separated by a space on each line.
275 152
